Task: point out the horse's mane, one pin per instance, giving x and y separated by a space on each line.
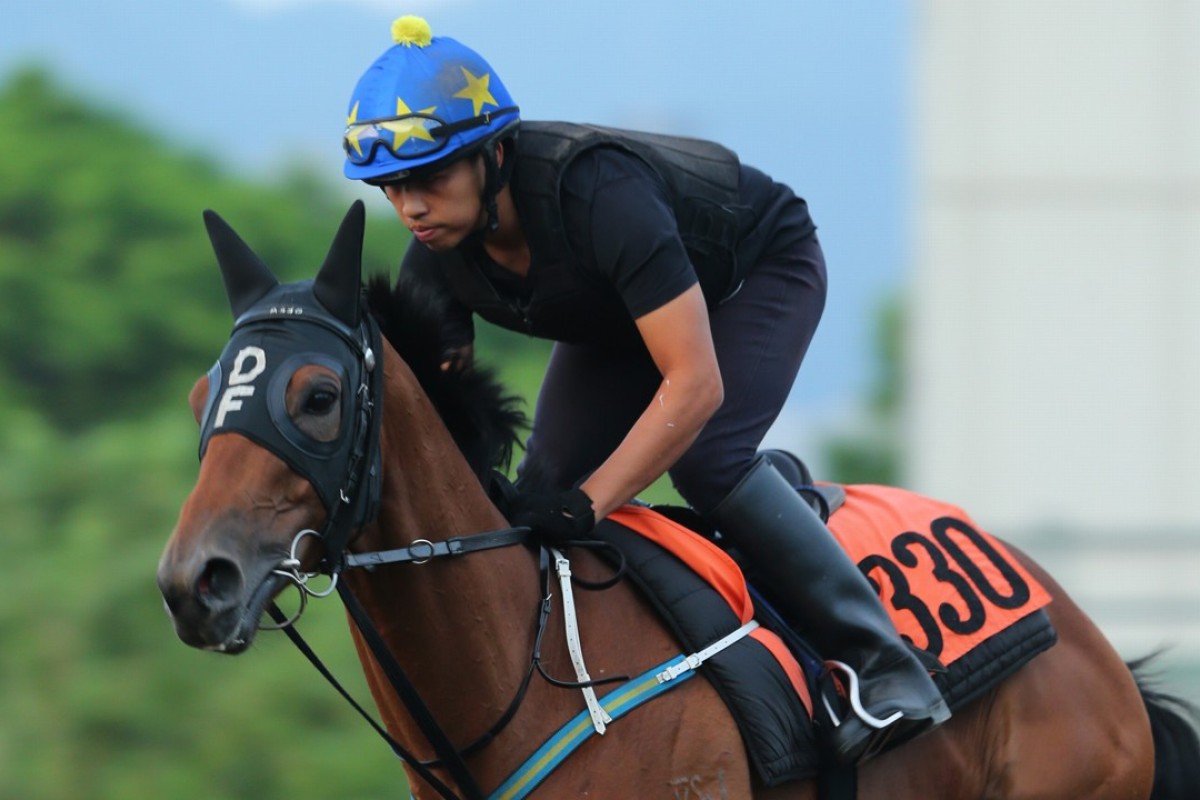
482 416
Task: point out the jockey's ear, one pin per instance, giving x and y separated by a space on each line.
339 283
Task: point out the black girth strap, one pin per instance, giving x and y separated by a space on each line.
839 782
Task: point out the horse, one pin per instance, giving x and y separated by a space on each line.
373 449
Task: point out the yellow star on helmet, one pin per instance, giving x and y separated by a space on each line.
354 131
411 128
476 91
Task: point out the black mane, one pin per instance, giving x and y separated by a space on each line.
482 416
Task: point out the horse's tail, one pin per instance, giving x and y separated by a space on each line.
1176 743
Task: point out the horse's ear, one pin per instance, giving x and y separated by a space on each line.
339 283
247 278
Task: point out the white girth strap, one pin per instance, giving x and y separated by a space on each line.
600 717
700 656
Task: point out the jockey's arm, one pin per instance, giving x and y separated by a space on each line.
679 340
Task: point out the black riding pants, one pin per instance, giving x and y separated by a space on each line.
591 395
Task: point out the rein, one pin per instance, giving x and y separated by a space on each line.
353 501
357 502
419 552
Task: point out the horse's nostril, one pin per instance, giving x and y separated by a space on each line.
220 581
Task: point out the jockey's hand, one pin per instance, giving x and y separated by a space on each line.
458 359
557 517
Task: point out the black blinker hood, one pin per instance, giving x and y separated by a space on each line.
280 328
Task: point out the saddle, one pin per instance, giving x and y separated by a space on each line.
954 592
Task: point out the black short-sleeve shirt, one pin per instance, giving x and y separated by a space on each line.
628 253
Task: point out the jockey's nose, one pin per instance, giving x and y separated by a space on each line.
409 201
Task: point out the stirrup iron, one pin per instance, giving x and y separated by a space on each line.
855 699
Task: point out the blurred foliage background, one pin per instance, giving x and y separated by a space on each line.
112 308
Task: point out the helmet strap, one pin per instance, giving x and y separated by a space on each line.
496 177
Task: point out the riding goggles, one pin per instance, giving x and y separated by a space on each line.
412 135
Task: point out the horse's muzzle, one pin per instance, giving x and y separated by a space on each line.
212 606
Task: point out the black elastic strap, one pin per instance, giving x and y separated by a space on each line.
451 128
408 758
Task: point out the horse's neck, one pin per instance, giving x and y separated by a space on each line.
455 622
464 627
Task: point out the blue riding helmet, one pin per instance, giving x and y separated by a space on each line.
425 101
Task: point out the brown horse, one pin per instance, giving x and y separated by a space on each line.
296 400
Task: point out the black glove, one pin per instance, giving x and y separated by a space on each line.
555 516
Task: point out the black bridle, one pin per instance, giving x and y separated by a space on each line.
352 500
286 327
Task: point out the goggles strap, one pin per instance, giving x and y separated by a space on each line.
446 131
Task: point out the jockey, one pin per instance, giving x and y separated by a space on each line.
681 289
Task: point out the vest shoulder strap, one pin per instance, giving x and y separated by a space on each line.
701 179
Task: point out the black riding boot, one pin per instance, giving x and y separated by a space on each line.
818 586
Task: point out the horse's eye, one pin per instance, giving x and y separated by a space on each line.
320 402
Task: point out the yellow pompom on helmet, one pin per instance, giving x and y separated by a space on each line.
427 101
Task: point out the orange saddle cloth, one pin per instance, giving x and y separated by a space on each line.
948 585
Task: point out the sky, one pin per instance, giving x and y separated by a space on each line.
813 92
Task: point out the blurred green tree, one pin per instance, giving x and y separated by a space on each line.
112 308
871 452
111 301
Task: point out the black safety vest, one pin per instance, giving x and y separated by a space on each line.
701 181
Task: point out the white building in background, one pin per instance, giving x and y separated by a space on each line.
1055 317
1054 380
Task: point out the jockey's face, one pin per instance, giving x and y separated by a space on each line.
443 208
